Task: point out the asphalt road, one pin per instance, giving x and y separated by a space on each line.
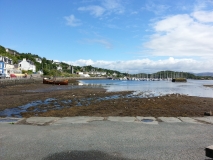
105 140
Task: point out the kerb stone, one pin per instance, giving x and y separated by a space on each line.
41 120
169 119
121 119
79 119
189 120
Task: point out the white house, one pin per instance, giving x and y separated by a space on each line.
114 74
38 60
59 68
10 51
26 65
97 73
82 74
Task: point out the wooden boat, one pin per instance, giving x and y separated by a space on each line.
55 82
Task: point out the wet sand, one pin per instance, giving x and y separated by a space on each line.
169 105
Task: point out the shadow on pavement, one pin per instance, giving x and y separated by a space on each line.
84 155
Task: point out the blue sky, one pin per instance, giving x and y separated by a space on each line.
126 35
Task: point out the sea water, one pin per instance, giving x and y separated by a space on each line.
156 88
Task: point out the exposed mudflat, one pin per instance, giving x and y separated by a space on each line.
63 101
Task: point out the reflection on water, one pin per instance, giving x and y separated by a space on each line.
191 87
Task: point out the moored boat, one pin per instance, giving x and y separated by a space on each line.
56 82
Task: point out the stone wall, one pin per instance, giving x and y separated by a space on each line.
16 81
9 82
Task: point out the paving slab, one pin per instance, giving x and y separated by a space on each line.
79 119
169 119
189 120
122 119
41 120
96 119
10 120
147 120
208 119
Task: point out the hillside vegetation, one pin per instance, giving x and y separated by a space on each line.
50 68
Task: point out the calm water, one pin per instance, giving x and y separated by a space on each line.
191 87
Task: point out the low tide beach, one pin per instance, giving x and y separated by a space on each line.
46 100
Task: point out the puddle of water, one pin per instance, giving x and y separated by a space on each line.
16 112
147 120
67 101
8 120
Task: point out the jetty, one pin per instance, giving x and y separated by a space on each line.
179 80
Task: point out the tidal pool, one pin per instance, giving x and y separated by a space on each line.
157 88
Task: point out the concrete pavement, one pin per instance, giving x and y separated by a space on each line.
85 119
105 138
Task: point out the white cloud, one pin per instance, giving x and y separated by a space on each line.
94 10
150 66
72 21
103 42
203 16
107 7
181 35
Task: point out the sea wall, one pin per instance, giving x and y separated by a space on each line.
16 81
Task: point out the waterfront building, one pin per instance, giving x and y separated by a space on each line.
26 65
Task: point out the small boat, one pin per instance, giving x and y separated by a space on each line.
56 82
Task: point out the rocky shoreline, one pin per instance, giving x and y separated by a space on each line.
93 101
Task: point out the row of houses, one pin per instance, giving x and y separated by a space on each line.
7 66
95 73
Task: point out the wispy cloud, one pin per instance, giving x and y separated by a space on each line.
97 11
203 5
156 8
102 42
72 21
105 8
113 6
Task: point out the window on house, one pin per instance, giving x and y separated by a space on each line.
19 65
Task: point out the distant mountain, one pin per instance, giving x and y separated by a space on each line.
204 74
